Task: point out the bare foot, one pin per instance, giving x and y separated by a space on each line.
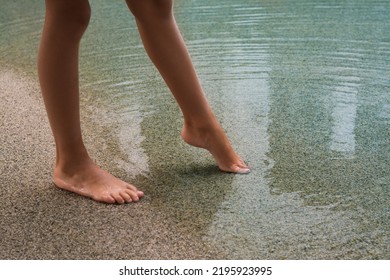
215 141
91 181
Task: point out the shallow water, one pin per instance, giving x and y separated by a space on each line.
303 91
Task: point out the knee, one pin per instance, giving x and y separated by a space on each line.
82 16
150 9
73 15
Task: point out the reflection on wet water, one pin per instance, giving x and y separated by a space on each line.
300 79
303 91
344 115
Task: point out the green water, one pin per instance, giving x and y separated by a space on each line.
303 91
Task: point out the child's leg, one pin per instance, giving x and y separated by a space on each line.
167 50
64 26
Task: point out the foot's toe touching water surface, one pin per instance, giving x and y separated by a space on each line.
64 27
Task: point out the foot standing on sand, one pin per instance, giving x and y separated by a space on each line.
65 24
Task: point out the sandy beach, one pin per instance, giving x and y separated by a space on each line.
40 221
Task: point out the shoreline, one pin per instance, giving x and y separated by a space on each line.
40 221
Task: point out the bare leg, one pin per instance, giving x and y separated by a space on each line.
64 26
166 48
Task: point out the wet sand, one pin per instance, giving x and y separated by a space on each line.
305 102
39 221
191 211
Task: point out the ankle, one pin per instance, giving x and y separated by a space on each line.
204 124
71 163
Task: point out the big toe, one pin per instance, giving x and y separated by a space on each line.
239 168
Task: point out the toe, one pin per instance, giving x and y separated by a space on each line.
133 195
140 193
118 198
237 168
240 169
134 192
126 197
106 198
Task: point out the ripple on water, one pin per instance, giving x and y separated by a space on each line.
316 69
